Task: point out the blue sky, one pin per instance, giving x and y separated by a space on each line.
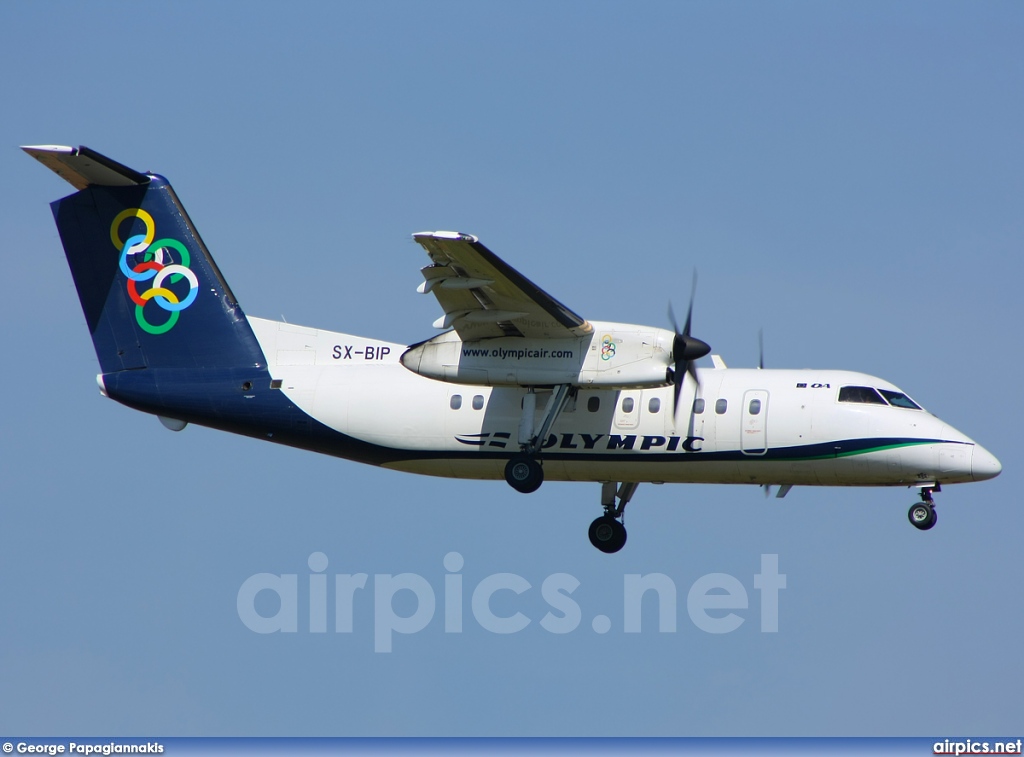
849 177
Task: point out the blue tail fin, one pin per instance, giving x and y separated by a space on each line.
151 293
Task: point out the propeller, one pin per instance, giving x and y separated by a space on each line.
685 349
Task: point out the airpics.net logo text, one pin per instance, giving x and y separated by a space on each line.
716 603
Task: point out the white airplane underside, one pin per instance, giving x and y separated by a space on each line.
518 386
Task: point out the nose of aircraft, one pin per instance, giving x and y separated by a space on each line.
984 464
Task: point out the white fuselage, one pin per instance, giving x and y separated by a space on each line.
800 433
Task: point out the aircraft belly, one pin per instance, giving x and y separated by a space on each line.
867 469
594 468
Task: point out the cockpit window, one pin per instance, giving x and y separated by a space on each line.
898 399
862 394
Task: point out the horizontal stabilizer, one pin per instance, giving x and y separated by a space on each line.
82 167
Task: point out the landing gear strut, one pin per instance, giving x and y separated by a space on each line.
524 472
922 514
607 532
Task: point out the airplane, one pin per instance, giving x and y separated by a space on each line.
516 386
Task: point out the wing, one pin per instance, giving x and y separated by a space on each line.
483 296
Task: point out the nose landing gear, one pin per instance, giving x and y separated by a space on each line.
922 514
607 532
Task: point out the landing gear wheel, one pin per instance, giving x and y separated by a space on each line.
922 516
524 474
607 534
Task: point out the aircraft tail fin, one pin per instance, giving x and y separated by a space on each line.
151 293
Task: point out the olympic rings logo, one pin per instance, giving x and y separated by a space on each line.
607 347
158 267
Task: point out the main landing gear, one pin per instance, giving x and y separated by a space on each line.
922 514
524 472
607 532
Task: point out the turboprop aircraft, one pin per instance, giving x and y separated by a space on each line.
517 385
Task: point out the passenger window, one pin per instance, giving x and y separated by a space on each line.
721 406
864 395
754 407
478 402
698 406
654 405
627 405
594 404
456 401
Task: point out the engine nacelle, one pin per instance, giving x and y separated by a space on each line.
613 356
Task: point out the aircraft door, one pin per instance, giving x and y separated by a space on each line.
627 409
754 417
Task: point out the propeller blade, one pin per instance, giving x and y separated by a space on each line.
677 387
685 349
689 312
692 370
760 348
